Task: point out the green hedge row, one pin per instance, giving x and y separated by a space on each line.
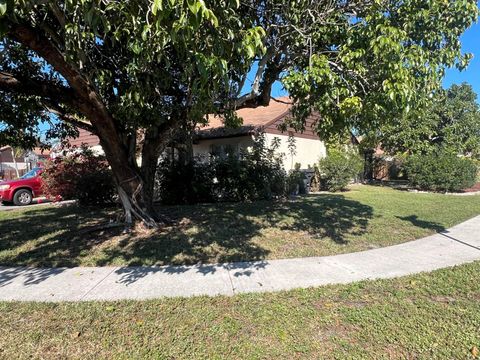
441 171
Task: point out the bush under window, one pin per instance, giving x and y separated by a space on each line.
252 174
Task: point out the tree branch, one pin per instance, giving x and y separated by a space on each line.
60 16
68 118
47 89
89 101
281 101
255 91
86 97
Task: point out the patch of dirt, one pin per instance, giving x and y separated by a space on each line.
474 188
337 330
444 299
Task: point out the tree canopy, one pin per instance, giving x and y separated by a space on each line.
135 72
451 122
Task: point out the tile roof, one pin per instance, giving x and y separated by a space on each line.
255 117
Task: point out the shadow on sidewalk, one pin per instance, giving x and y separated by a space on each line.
32 275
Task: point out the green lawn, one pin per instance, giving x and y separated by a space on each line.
427 316
365 217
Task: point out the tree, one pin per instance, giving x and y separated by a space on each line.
450 122
16 153
136 72
121 70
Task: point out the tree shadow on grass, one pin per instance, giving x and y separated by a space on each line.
48 236
430 225
211 233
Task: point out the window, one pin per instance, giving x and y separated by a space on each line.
224 150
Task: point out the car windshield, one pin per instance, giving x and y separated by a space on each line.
32 173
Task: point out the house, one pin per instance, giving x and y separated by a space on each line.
215 138
23 162
85 137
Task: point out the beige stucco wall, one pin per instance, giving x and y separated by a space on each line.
308 151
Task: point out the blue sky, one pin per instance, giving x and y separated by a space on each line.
470 43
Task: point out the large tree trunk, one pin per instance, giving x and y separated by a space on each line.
129 180
134 195
154 142
135 187
185 144
150 155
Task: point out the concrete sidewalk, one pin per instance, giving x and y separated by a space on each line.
458 245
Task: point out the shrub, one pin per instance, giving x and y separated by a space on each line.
441 171
251 175
256 174
184 184
338 169
81 175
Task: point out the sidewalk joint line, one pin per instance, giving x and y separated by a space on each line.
460 241
230 278
98 283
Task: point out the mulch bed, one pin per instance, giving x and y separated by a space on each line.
474 188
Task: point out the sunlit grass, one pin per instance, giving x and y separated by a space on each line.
427 316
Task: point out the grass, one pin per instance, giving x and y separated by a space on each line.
365 217
427 316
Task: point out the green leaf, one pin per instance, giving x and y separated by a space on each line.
195 5
3 7
145 32
250 50
157 5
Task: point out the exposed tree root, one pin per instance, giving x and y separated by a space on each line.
133 211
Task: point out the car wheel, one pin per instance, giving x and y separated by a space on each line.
23 197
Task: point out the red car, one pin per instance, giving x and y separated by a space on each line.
23 190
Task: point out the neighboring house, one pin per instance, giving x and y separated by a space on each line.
217 139
88 139
24 162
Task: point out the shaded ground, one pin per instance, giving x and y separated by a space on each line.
429 316
365 217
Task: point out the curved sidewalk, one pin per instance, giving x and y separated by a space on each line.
458 245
